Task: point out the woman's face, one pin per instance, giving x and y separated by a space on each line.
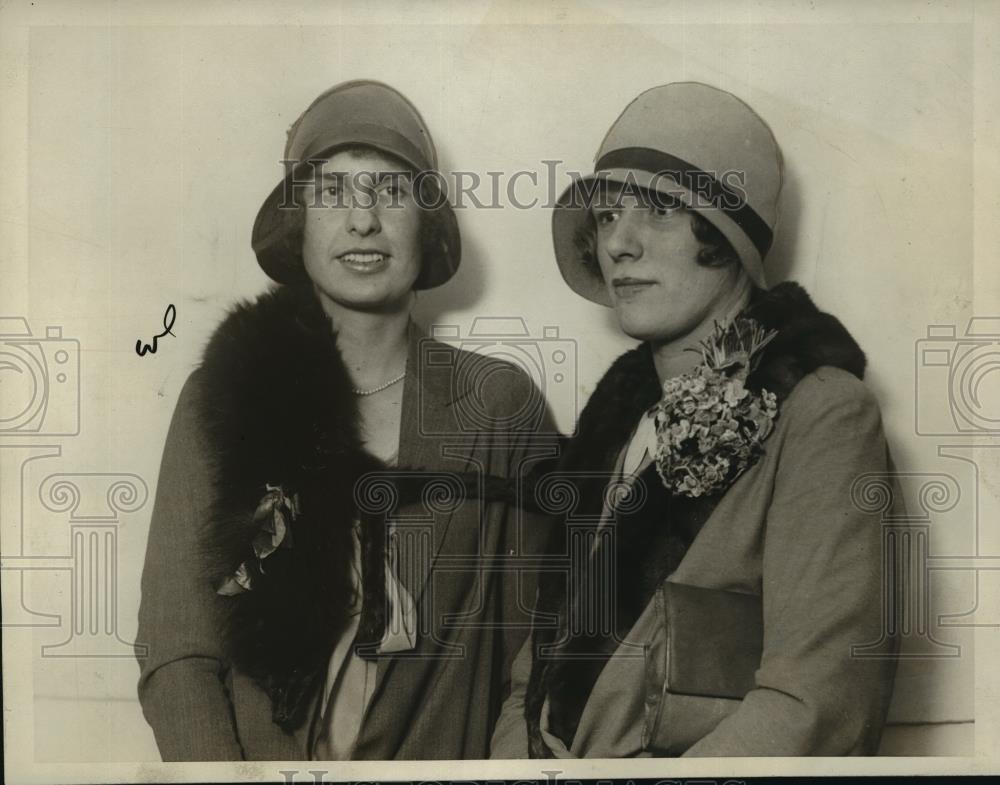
361 237
648 257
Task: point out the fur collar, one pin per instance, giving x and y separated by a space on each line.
277 407
807 339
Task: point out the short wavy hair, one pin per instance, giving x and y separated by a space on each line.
432 220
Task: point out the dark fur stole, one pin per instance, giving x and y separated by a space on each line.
651 538
277 407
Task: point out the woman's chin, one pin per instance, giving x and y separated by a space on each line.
649 324
644 328
368 300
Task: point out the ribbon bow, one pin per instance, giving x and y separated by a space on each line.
272 518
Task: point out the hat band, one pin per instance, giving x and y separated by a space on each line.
704 184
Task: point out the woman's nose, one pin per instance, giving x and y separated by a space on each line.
362 219
622 240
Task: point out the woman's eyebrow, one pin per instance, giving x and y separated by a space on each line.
391 174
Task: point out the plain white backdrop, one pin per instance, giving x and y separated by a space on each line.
143 151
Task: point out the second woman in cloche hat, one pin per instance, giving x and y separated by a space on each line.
730 602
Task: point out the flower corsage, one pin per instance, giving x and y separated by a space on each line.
710 428
272 518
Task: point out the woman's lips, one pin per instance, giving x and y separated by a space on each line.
364 261
627 288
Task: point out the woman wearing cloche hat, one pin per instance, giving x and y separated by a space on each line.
282 620
727 601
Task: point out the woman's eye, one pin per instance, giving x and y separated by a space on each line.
606 217
393 192
662 212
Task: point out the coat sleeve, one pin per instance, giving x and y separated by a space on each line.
182 679
821 587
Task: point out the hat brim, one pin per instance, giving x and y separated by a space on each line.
284 264
572 211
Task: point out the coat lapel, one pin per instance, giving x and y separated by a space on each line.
432 443
431 440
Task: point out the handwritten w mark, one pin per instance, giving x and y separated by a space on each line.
168 321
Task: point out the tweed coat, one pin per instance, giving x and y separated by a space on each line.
201 686
790 531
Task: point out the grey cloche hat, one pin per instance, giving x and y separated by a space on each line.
356 112
696 143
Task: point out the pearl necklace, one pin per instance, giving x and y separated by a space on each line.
381 387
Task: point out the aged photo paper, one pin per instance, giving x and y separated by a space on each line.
138 143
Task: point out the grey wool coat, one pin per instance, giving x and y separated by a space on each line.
223 679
